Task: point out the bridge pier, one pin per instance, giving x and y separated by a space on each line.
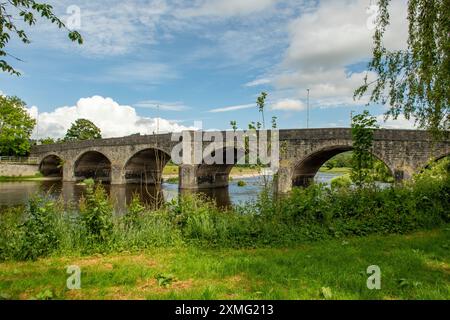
194 177
283 180
187 177
117 175
68 172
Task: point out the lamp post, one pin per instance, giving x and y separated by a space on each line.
157 119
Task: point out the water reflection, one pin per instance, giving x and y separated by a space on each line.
17 193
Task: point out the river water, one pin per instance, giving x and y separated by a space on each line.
18 193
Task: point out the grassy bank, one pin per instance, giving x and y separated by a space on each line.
336 170
314 242
171 170
21 178
415 266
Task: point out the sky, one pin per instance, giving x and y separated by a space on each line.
185 62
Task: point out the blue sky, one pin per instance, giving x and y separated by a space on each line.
204 60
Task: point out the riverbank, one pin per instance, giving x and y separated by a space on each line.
170 174
36 177
415 266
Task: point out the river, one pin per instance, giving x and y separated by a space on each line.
18 193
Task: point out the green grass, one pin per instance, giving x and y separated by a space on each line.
172 180
170 170
413 266
20 178
236 171
335 170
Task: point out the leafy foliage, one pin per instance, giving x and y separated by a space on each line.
363 127
310 214
96 213
343 181
83 129
164 280
234 125
47 141
11 12
416 81
16 126
40 236
261 102
342 160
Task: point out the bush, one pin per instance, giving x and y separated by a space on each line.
341 182
309 214
40 236
11 234
96 213
241 183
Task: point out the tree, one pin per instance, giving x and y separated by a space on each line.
11 12
16 127
274 122
83 129
261 102
363 127
47 141
414 82
234 125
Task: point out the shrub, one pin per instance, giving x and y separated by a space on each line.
241 183
11 235
96 213
307 214
40 236
340 182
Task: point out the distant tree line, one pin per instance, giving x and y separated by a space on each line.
17 126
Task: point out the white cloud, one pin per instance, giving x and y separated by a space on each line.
400 123
144 72
226 8
257 82
326 42
115 27
113 119
233 108
289 105
163 106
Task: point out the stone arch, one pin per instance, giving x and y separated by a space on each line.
442 156
146 166
433 160
93 164
305 170
51 166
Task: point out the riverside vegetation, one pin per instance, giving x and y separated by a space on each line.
301 228
48 227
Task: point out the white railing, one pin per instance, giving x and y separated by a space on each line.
18 160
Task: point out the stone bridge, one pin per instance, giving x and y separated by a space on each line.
141 159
